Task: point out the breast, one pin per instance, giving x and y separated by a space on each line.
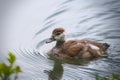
54 51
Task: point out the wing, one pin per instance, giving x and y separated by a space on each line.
72 48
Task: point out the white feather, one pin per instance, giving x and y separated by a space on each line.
94 47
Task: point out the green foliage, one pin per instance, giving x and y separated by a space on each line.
115 76
112 77
97 77
7 70
11 58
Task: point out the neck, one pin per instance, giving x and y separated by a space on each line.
60 43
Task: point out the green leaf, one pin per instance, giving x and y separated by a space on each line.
1 67
115 76
105 78
13 71
12 58
97 77
18 69
5 69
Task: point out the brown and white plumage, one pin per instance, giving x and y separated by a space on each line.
75 48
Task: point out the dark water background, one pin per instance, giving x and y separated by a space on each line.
26 24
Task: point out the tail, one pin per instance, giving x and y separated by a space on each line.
107 45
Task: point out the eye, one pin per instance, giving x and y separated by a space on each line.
58 33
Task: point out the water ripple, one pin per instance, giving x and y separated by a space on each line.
55 14
97 20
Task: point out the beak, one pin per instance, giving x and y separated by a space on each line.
50 40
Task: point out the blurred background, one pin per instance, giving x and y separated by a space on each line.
26 24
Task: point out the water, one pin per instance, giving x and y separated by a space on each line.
26 24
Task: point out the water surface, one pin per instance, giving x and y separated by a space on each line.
26 24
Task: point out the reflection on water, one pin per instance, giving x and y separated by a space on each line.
26 25
57 71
